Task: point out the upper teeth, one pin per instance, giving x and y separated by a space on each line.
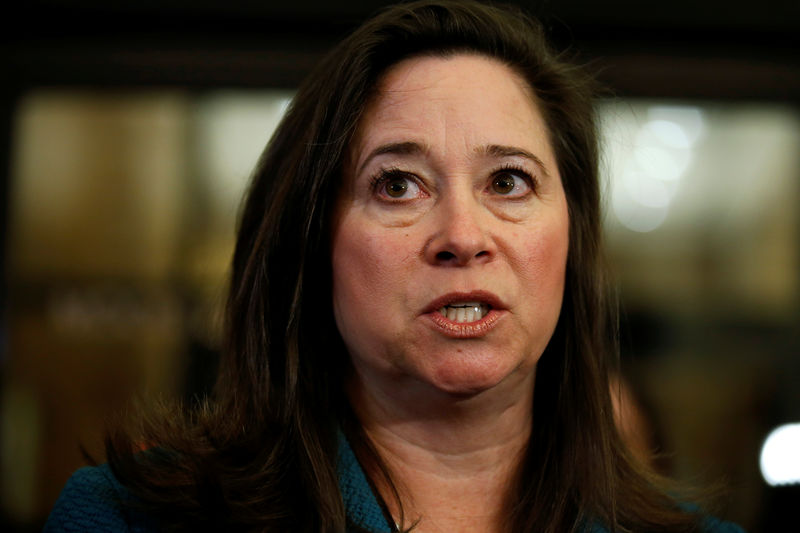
464 311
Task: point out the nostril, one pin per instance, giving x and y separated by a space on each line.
445 256
482 253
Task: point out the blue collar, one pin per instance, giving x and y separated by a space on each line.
360 503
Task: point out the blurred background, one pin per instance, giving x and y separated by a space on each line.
129 130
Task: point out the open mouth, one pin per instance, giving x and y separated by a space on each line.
463 312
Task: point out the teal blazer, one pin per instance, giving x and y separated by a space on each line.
93 500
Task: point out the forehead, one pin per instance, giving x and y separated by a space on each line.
440 101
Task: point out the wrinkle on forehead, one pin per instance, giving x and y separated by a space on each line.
403 83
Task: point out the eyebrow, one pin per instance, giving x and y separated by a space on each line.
415 148
498 151
399 148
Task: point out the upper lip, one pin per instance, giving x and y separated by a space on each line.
469 296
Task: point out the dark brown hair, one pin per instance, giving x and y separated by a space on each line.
261 455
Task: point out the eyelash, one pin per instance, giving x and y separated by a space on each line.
524 174
385 174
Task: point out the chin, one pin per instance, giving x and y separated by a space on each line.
464 380
471 370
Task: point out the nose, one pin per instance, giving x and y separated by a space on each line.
461 234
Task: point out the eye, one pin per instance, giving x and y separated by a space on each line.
396 185
511 182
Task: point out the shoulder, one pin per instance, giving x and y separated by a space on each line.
708 524
715 525
94 500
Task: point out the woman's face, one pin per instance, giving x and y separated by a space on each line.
451 232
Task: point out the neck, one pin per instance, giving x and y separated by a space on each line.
451 458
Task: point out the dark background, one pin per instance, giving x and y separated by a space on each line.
701 48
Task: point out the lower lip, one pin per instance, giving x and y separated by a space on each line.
465 330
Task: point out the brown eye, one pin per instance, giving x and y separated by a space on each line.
503 184
511 183
397 187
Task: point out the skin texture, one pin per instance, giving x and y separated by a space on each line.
468 203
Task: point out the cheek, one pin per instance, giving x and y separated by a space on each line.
370 269
544 260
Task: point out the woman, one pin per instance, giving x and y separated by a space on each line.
417 331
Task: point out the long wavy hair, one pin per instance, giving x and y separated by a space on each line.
261 454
